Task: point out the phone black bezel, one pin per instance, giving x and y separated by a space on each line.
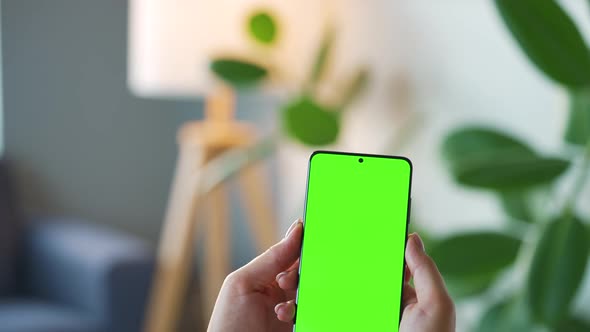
409 208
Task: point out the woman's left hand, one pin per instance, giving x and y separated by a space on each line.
260 296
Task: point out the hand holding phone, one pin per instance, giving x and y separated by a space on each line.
427 307
250 294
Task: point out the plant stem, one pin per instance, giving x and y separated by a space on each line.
570 203
232 162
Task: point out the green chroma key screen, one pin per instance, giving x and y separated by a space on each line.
352 256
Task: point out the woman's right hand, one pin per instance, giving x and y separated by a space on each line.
427 306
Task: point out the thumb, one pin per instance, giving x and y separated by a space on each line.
429 284
264 268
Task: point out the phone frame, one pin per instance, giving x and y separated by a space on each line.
409 208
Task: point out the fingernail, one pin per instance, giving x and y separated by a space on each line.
278 307
292 227
280 275
418 241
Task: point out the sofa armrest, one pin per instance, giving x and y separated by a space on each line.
103 273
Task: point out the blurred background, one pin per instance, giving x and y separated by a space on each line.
490 103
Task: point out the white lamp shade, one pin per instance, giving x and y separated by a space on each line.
171 42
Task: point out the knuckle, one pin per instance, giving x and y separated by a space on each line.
274 254
443 305
446 314
231 279
447 305
235 281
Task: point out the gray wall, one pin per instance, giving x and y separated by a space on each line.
81 144
1 101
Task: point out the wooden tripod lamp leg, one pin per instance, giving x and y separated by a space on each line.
217 247
199 143
176 244
255 192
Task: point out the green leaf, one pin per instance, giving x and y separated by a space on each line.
311 123
467 286
238 72
557 269
263 27
549 38
572 324
578 127
471 261
484 158
354 88
517 205
507 315
512 172
475 254
471 142
322 57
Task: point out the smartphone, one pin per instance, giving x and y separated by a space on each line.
352 257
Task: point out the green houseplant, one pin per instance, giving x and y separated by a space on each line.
544 234
305 116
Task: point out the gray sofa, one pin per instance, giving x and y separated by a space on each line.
75 277
65 275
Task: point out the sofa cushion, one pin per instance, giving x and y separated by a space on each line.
10 231
37 316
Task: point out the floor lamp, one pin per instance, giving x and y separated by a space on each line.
165 57
199 143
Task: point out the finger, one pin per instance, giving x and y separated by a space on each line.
288 280
285 311
278 258
295 266
407 274
408 295
428 282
